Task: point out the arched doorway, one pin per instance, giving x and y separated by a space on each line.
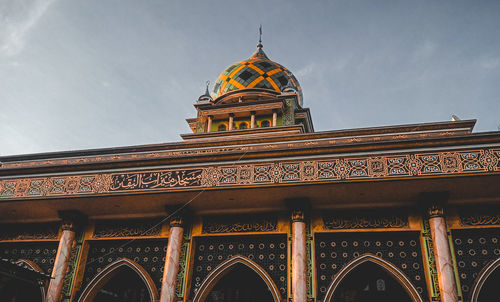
121 281
21 288
369 278
485 288
238 279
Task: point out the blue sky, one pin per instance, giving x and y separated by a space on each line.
105 73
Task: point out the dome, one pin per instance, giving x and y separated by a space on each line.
256 72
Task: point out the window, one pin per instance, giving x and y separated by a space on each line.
265 124
243 125
222 127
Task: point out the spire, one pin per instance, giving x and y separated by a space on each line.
259 54
206 96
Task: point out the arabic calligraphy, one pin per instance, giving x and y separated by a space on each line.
474 218
365 221
127 228
239 224
156 180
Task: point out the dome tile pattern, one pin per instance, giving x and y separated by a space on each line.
256 72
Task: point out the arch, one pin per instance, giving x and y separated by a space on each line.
225 267
482 277
243 125
37 268
265 124
222 127
387 266
112 270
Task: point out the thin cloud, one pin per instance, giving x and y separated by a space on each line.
16 20
424 51
490 63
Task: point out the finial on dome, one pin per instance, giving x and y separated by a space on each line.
206 96
259 54
260 37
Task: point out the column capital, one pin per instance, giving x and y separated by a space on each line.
72 220
299 208
178 215
434 203
435 210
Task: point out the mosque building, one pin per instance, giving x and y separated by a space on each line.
254 205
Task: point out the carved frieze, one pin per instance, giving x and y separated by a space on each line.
127 228
475 218
364 220
239 224
412 165
29 231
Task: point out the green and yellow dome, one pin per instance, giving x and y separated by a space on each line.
256 72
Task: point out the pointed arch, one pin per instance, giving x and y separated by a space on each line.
387 266
112 270
37 268
482 277
225 267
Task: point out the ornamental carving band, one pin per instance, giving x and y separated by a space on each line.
474 219
365 222
127 228
311 171
239 224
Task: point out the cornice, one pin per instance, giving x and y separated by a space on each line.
408 165
213 153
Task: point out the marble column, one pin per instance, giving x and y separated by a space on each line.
61 264
252 119
172 260
209 124
275 118
299 257
231 121
442 254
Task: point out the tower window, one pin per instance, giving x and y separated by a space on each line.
265 124
243 125
222 127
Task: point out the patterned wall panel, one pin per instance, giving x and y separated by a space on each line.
268 251
149 253
41 253
335 250
474 248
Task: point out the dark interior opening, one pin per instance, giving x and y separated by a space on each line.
15 290
370 282
491 289
126 286
240 285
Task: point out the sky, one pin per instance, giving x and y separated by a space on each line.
106 73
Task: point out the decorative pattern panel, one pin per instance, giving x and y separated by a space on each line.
41 253
474 248
69 279
431 261
127 228
183 265
335 250
239 175
29 231
364 220
268 251
239 223
149 253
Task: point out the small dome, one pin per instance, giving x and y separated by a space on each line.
256 72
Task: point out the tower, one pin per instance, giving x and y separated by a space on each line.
253 97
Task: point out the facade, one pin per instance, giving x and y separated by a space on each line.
254 205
